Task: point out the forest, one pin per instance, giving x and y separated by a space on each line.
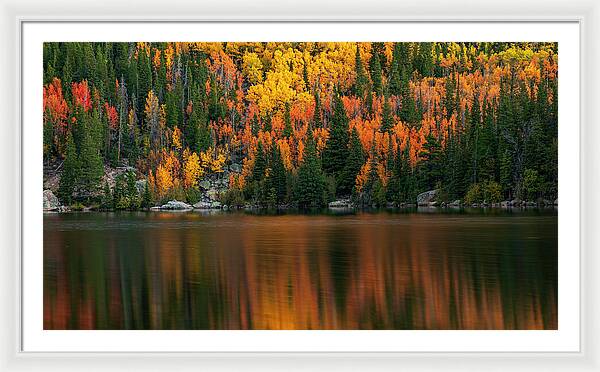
300 124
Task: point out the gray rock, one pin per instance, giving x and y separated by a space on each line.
235 168
203 205
341 203
213 193
424 198
215 205
140 185
51 202
455 203
205 184
556 201
174 205
516 203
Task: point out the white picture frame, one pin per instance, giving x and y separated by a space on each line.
15 15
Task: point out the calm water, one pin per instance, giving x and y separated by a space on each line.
241 271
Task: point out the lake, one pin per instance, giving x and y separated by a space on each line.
406 270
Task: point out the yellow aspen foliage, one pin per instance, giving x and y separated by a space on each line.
164 180
213 160
192 170
176 140
252 68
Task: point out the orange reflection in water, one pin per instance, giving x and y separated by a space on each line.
236 271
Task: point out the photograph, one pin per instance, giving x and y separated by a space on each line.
300 185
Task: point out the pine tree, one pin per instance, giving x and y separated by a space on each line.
395 79
408 110
317 119
431 167
354 162
335 153
106 203
387 121
146 197
474 146
92 167
260 164
144 73
310 187
376 75
70 173
277 180
361 83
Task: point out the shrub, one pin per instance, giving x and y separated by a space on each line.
474 194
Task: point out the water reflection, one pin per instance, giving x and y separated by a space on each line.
237 271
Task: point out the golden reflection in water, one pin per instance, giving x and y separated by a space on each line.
379 271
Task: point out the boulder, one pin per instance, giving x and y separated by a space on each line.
213 193
341 203
235 168
202 205
455 203
174 205
424 198
140 185
51 202
205 184
505 204
556 201
515 203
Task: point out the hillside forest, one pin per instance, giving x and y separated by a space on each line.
300 124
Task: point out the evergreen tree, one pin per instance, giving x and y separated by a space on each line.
431 166
361 83
354 162
395 78
335 153
144 73
70 173
387 121
260 164
474 146
317 119
106 203
92 167
376 75
310 187
146 197
408 109
277 180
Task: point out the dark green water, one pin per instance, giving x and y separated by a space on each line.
494 270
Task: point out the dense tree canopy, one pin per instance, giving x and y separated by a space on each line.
305 122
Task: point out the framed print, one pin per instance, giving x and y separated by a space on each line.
396 190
